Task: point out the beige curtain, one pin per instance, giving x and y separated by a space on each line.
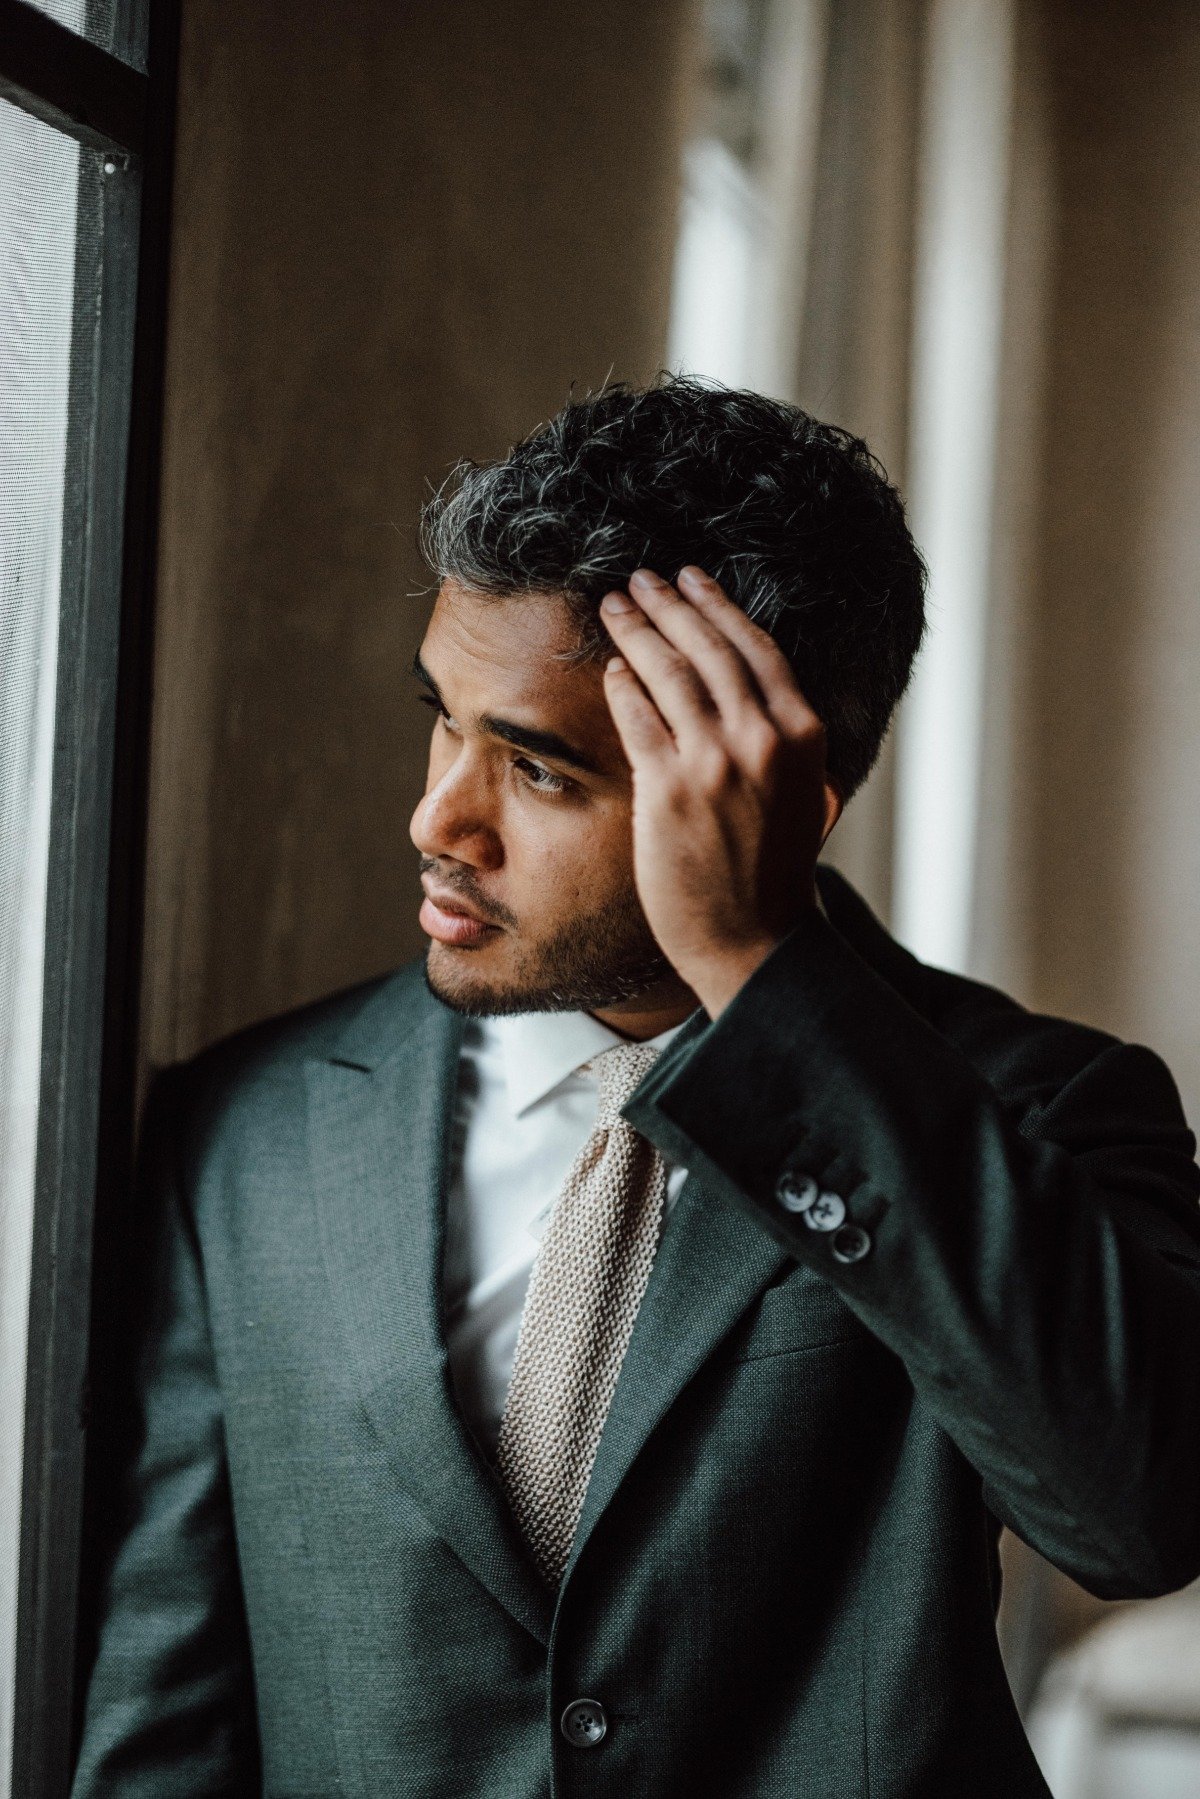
1001 289
1037 167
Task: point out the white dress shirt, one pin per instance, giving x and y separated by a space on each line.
523 1111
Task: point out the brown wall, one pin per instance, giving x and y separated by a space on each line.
400 234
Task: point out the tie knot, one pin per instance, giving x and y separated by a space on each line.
618 1072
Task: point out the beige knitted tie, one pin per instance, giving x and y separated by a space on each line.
584 1292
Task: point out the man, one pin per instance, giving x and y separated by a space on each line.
600 1360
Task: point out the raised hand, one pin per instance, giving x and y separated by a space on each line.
731 800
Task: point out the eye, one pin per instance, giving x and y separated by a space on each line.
542 780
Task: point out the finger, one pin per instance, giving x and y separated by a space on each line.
722 667
640 726
772 670
667 676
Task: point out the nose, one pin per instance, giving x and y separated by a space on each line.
452 818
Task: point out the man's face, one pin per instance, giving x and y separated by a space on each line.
525 825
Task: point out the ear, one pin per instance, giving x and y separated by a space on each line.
833 808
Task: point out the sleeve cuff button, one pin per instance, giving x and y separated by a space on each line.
796 1192
850 1244
826 1212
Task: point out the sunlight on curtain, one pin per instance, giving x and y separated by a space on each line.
721 233
738 286
957 332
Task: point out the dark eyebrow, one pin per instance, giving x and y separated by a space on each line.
522 737
423 675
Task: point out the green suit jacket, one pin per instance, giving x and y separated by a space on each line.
785 1575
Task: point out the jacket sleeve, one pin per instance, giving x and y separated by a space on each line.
1029 1247
169 1704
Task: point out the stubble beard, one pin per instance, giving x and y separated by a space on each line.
599 960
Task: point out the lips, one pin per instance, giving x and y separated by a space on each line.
445 918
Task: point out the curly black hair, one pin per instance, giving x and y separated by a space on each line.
795 518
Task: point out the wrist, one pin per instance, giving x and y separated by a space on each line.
726 971
724 976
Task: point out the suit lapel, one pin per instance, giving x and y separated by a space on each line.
714 1258
379 1113
712 1262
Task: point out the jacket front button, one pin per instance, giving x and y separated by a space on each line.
584 1723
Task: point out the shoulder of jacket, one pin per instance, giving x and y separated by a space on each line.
1014 1046
261 1066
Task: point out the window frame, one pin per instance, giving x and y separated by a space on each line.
85 1131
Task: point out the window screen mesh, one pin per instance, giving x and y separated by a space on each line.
39 184
101 22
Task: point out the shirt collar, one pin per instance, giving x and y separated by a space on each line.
540 1049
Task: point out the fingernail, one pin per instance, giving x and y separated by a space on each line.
616 602
615 664
690 575
645 577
